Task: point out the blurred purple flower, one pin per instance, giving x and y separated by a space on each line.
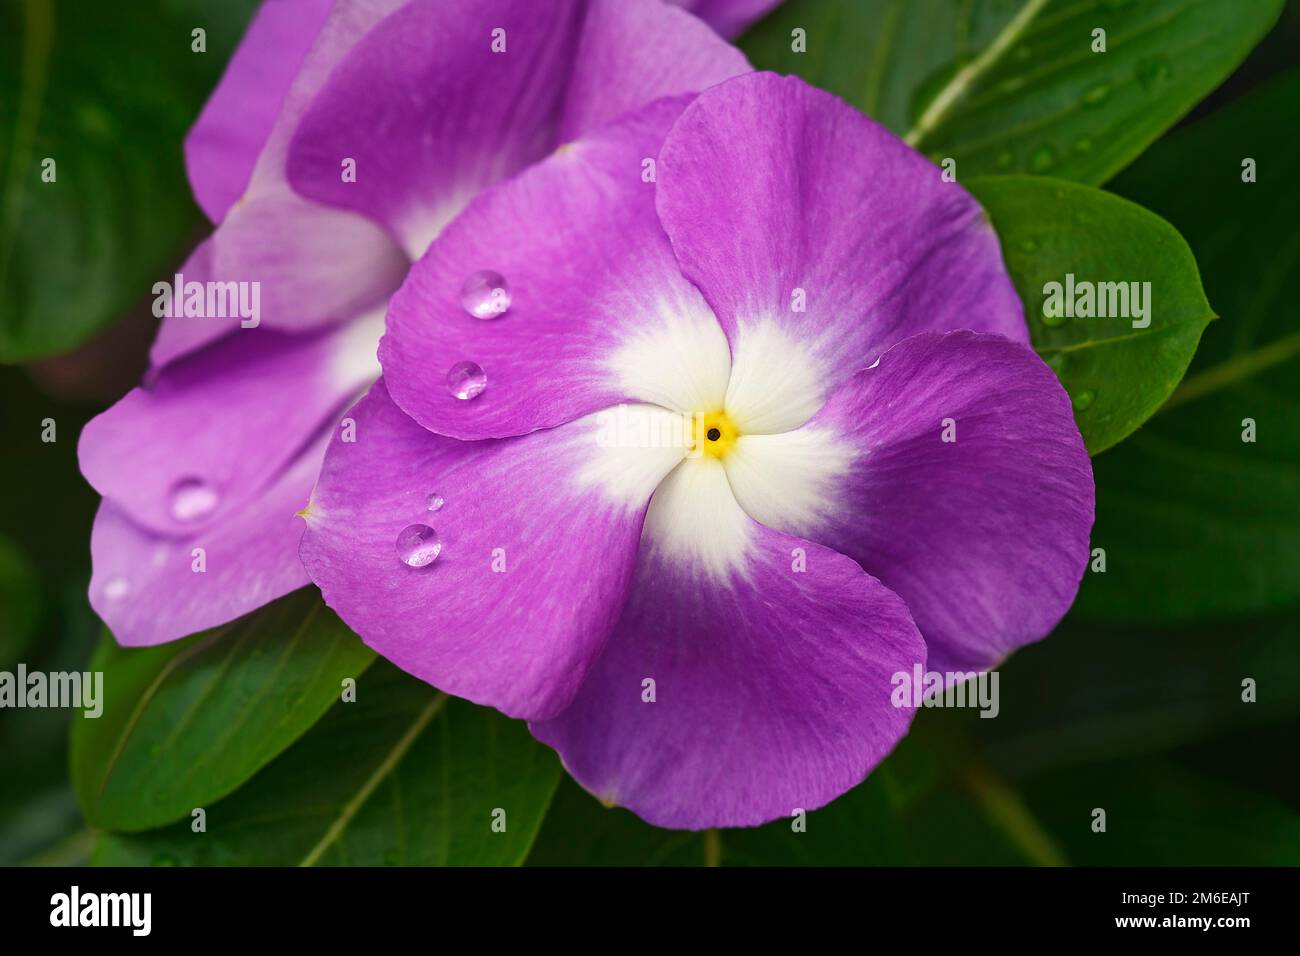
706 630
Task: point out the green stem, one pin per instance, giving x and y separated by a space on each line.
1004 807
73 850
712 848
1234 370
389 763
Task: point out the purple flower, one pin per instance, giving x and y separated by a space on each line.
426 103
707 630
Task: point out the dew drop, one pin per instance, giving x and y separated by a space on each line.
1153 71
435 501
1004 160
1083 400
1082 145
192 499
418 545
1097 95
1056 362
116 588
1042 159
466 380
485 295
1028 245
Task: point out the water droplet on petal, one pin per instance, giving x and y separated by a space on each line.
485 295
1083 400
116 588
1042 159
466 380
418 545
435 501
192 499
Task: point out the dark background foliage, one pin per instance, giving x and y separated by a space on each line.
1133 705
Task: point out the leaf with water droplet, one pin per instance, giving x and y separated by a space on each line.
1096 95
980 81
1119 374
1042 159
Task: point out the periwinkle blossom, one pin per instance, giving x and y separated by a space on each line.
880 473
429 101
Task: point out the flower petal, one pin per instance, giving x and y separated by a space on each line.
448 96
599 312
819 239
223 145
148 589
313 265
771 687
728 17
631 53
538 537
229 418
985 536
180 335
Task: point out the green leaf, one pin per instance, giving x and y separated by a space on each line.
1066 702
1117 375
109 104
1158 814
1008 86
403 776
1195 521
185 723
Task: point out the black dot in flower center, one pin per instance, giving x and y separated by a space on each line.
713 434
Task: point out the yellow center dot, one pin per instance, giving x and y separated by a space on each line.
714 434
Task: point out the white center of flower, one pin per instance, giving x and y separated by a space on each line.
721 442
